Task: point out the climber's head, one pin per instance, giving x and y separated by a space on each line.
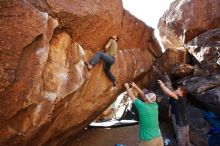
115 37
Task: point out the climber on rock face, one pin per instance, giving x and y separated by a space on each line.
108 57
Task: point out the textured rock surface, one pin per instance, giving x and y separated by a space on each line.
198 127
183 70
193 24
46 92
204 91
171 58
20 25
186 19
205 48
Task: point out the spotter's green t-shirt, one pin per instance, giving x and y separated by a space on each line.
148 120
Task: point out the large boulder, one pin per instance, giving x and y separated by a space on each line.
171 58
183 70
204 91
198 127
47 94
20 25
91 23
193 25
205 48
186 19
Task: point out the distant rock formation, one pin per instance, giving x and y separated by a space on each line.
193 25
186 19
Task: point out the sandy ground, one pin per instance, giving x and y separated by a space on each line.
128 136
108 137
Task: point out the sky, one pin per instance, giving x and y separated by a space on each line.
148 11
